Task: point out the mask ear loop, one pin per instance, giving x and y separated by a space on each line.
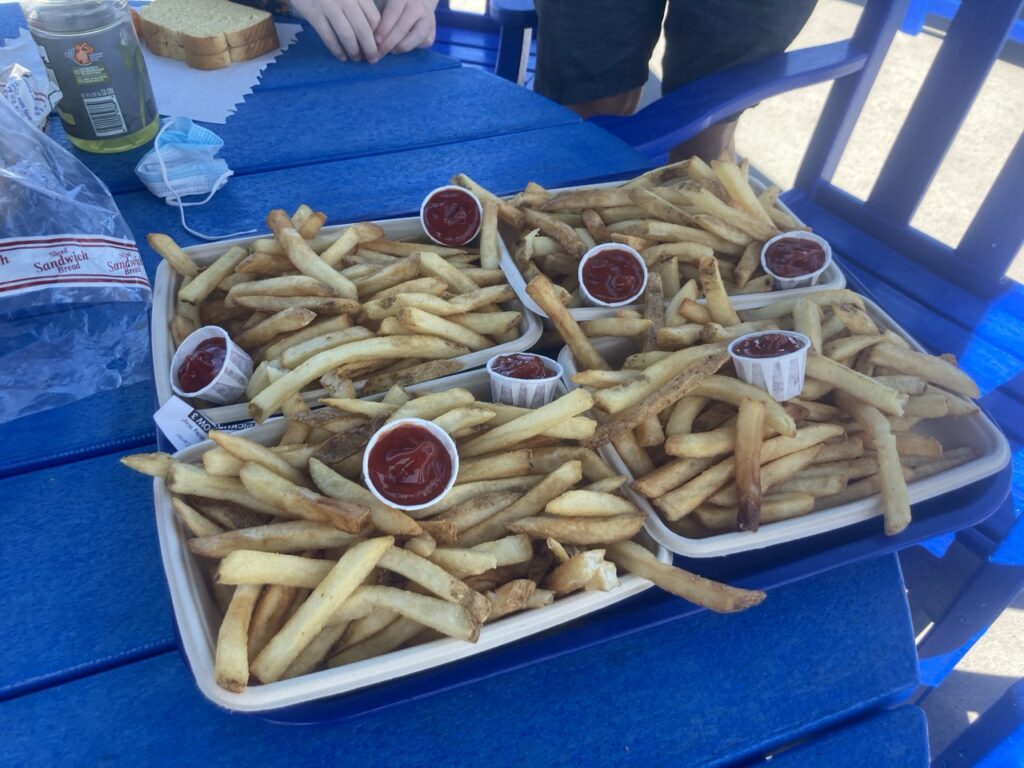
177 201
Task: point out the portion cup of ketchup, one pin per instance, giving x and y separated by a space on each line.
451 216
523 379
775 361
796 259
208 365
612 275
410 464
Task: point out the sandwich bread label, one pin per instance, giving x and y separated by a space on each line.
31 263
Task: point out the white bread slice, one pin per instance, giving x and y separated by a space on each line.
207 34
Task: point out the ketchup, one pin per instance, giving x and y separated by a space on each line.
794 256
768 345
518 366
451 216
408 465
613 275
201 367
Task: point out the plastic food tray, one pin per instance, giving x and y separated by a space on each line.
977 431
831 279
198 617
165 290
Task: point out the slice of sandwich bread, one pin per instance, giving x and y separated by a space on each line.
207 34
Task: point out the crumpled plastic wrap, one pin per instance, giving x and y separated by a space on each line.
74 297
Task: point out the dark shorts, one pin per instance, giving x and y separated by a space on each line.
590 49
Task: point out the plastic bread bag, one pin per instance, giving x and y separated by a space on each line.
74 296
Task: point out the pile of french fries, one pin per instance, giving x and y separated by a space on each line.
312 571
677 217
714 454
352 305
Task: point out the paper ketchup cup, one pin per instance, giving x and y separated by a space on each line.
780 282
524 393
781 375
228 383
451 216
397 444
601 253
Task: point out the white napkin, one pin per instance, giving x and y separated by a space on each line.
210 96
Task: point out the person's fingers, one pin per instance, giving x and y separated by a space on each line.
420 36
394 10
371 12
363 32
324 28
399 32
343 29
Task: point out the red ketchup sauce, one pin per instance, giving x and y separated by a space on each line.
794 256
519 366
409 466
201 367
613 275
768 345
451 216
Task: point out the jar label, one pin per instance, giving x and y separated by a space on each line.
102 76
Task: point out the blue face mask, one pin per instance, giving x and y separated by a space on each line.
181 164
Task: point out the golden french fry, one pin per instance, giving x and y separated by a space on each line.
510 597
934 370
779 506
231 659
749 432
196 524
305 259
575 573
248 450
589 504
313 615
153 464
722 598
533 423
855 384
296 536
542 291
718 303
581 530
172 253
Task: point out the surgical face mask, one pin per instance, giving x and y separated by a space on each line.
182 164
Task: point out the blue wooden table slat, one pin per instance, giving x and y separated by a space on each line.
718 687
84 587
363 118
897 738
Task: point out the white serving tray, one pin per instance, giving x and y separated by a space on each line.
831 279
198 617
977 431
165 289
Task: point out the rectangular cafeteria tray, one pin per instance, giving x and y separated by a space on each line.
977 431
165 289
832 279
197 616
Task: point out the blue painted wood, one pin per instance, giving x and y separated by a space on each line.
874 34
109 421
994 740
997 231
971 46
897 738
672 695
360 118
514 13
688 110
83 589
913 20
393 184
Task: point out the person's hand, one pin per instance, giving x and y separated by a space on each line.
346 26
406 25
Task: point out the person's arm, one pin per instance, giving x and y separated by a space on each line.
406 25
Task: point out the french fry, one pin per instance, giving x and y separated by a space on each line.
196 524
698 590
510 597
206 282
172 253
293 500
589 504
231 660
153 464
718 303
581 530
856 384
542 291
313 615
779 506
296 536
305 259
934 370
247 450
576 572
533 423
749 431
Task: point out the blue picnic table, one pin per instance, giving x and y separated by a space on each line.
89 667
